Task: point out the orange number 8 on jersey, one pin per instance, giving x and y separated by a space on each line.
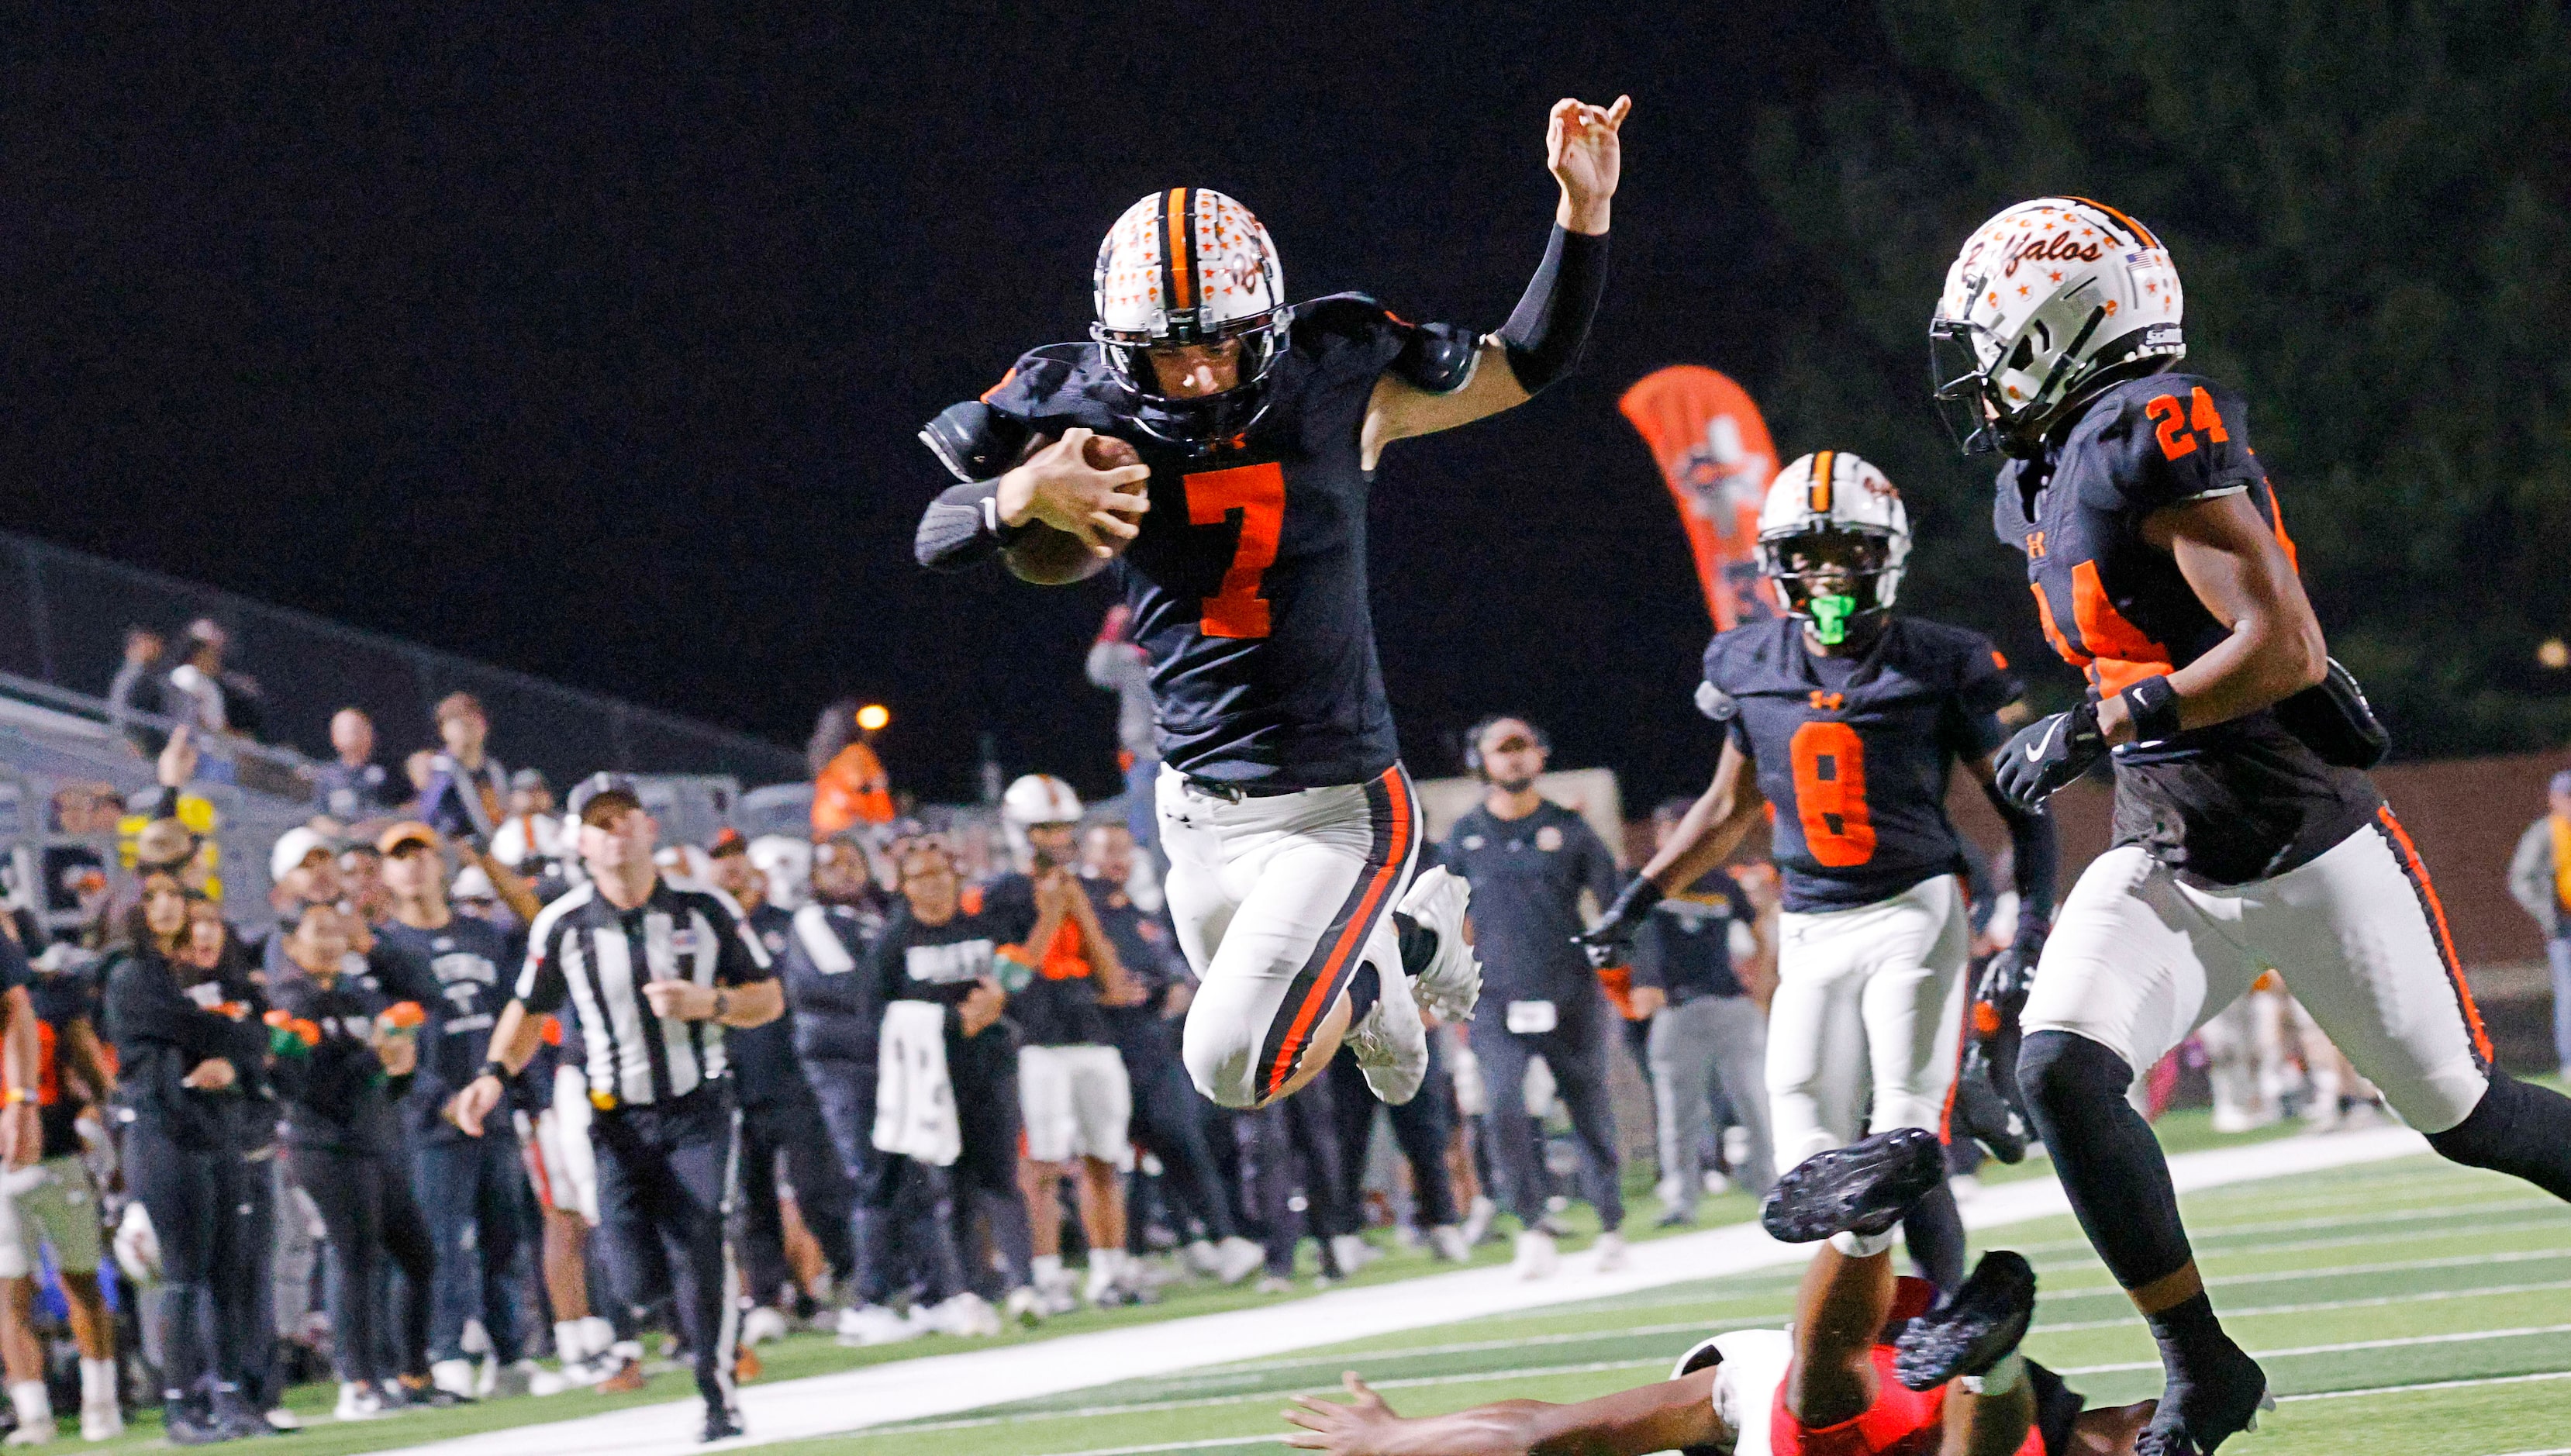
1830 794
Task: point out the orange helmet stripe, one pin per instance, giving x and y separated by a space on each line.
1181 268
1817 494
2139 230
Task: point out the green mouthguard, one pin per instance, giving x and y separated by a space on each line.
1830 616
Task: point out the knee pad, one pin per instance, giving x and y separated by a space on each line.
1221 1062
2058 1069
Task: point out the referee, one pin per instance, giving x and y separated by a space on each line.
653 973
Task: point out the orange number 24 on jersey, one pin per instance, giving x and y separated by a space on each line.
1830 794
1254 495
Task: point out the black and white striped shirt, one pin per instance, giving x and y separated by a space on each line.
586 951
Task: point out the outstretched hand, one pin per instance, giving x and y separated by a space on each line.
1582 150
1342 1430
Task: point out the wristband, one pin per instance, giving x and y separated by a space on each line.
2152 704
494 1068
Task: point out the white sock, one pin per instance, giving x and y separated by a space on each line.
2001 1379
98 1381
1863 1245
571 1343
34 1405
1046 1268
597 1336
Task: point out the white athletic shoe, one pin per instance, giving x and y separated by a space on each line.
874 1324
524 1377
1451 982
1240 1259
282 1421
32 1433
1351 1254
1537 1256
1276 1284
101 1421
1611 1252
1056 1296
359 1403
1201 1259
1390 1043
762 1324
1023 1306
1477 1218
967 1316
1448 1243
456 1377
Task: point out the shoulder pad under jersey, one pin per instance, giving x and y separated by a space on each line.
1749 659
2163 440
1048 390
1716 703
1964 661
1436 357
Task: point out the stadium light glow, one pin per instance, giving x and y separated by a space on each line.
873 717
2554 653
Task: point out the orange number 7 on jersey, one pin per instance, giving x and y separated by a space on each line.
1254 495
2176 420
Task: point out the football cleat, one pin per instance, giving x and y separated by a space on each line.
1972 1331
1863 1188
100 1420
2211 1398
1390 1042
1448 982
1612 1253
2045 300
32 1433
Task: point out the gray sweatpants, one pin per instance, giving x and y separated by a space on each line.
1690 1045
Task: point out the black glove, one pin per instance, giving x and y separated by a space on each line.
2048 754
1610 941
1994 1037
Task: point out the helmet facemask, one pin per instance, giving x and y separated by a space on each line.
1833 577
1203 421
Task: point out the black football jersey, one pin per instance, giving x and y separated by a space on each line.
1855 753
1249 580
2229 802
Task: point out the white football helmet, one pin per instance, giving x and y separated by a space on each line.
2044 299
1036 799
785 861
1832 492
1189 266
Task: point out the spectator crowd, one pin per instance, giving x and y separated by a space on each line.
491 1080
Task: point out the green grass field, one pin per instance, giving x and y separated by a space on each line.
2407 1307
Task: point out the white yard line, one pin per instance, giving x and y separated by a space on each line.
2461 1338
934 1385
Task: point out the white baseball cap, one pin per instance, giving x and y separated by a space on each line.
294 847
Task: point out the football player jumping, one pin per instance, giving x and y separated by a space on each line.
1850 719
2245 836
1290 826
1872 1366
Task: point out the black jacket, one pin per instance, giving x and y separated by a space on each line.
163 1019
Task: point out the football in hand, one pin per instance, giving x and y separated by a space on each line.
1051 557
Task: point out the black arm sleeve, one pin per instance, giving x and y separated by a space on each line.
1544 336
2036 846
962 528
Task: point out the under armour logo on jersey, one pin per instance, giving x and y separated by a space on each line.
2035 545
1828 702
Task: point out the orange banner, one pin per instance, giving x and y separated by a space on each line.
1717 459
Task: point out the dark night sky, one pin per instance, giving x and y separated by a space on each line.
595 345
